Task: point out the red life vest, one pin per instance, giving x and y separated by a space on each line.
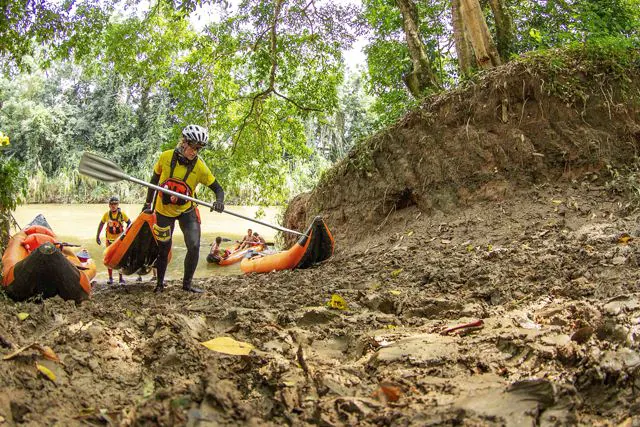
36 236
176 184
35 240
114 225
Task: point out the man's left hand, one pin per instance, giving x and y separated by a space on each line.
217 206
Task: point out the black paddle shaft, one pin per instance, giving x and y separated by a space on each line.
105 170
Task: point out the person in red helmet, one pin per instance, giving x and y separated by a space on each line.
181 170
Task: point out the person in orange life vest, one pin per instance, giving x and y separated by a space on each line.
181 170
115 220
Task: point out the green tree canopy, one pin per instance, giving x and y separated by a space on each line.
266 77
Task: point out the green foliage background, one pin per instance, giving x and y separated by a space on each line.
13 183
267 78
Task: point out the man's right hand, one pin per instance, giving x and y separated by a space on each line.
146 207
98 241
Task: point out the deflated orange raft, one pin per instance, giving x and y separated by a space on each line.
136 250
36 263
316 246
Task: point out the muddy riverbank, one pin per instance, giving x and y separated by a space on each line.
552 274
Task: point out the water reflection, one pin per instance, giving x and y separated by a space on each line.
79 223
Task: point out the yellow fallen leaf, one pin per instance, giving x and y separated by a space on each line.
489 248
396 273
228 345
338 302
46 372
22 316
394 292
409 234
469 248
556 202
624 238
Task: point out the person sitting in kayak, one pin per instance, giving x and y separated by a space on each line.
246 240
180 171
258 239
214 252
115 220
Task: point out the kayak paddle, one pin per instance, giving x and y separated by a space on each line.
105 170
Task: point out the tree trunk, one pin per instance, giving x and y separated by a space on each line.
504 28
421 76
483 46
463 47
143 110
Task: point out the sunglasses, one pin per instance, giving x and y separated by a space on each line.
195 146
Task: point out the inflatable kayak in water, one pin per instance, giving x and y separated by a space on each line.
36 263
316 246
235 255
136 250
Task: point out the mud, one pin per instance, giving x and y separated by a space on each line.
552 273
525 123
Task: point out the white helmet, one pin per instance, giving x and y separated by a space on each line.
196 135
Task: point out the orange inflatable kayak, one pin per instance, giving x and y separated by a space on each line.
316 246
216 259
136 250
36 263
237 255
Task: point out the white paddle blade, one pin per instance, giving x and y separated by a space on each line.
100 168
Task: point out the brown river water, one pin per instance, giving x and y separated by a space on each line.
78 224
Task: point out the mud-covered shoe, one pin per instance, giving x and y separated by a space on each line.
186 286
110 282
139 279
122 282
159 289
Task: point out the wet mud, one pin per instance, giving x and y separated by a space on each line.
517 312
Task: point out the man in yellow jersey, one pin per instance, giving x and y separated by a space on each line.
115 220
181 170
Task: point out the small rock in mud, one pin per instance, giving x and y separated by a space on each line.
582 335
316 316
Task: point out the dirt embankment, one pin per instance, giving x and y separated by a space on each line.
536 120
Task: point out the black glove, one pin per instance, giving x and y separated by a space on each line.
146 207
217 206
98 241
